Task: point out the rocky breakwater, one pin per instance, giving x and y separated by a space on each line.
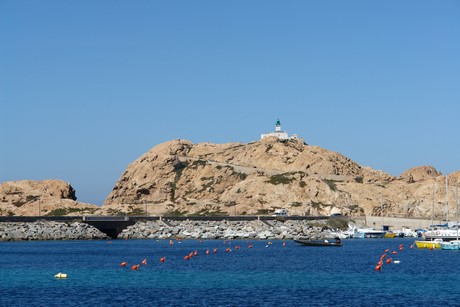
49 230
240 230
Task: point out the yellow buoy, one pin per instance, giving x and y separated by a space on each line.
60 275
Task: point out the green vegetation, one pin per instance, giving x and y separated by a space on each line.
242 176
338 223
30 198
331 184
207 185
173 191
136 211
280 179
18 203
63 211
176 212
263 212
115 212
210 212
296 204
316 205
197 163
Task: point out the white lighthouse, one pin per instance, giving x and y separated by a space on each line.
279 133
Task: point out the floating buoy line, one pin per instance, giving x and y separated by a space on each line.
379 266
193 253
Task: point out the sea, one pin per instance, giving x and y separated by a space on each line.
226 273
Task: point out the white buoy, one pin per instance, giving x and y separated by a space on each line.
60 275
396 261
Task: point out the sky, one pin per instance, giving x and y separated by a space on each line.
87 87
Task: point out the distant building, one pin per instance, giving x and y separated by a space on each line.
280 134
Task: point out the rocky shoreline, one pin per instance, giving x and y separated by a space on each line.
49 230
239 230
161 229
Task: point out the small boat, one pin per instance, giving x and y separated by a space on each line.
436 243
451 245
326 242
390 234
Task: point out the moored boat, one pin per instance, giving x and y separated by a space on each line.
390 234
436 243
451 245
334 242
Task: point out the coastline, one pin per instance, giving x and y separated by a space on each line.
170 229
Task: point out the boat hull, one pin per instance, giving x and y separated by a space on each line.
374 234
318 243
428 244
452 245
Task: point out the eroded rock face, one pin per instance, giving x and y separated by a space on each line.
29 197
179 177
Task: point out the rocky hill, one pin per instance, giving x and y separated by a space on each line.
179 177
47 197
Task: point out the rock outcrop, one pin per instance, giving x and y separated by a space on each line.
49 230
238 230
47 197
179 177
420 173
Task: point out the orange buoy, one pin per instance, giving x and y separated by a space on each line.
394 252
400 248
215 250
187 257
123 263
228 250
144 262
383 256
389 260
135 267
207 252
378 267
412 246
195 253
250 246
237 247
387 250
162 259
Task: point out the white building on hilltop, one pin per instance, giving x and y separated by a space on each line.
280 134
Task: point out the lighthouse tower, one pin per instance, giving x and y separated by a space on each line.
278 126
279 133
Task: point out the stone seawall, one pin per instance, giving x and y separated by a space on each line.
257 229
49 230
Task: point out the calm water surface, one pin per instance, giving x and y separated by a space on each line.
264 275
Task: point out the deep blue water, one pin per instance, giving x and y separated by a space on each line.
265 275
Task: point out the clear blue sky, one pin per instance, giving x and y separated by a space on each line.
86 87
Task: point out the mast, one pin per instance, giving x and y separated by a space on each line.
456 202
432 208
447 201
